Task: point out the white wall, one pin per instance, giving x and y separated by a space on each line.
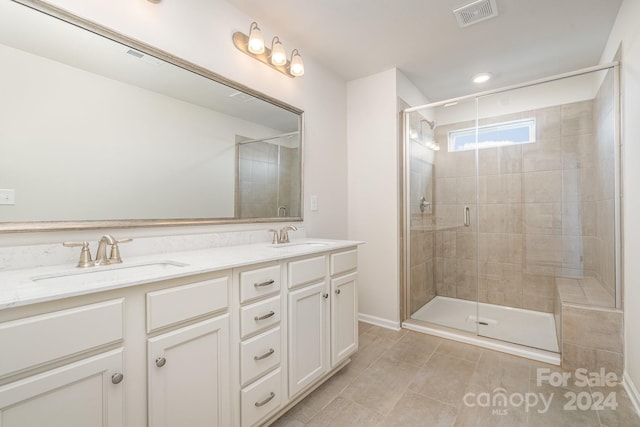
200 31
374 197
627 32
373 192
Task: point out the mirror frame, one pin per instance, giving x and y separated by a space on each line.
87 25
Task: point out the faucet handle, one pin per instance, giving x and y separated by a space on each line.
85 255
114 257
275 239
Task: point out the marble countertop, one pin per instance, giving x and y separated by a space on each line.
18 287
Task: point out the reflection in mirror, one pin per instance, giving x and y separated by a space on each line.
267 171
96 130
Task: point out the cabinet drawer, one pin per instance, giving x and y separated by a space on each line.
48 337
344 261
259 354
306 270
261 398
259 283
181 303
259 316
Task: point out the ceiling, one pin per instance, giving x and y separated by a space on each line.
529 39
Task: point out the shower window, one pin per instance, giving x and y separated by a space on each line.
493 135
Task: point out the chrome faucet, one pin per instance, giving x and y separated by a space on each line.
282 236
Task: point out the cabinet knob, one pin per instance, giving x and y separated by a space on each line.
160 362
117 378
325 296
337 291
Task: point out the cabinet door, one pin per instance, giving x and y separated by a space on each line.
308 336
81 394
344 325
188 373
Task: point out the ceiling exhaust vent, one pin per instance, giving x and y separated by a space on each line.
475 12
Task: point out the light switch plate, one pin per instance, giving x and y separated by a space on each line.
314 203
7 197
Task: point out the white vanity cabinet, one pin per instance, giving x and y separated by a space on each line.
233 346
260 342
47 381
188 374
344 305
322 316
308 322
188 370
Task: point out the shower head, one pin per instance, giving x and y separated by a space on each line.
431 124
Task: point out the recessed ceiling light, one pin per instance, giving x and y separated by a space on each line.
482 77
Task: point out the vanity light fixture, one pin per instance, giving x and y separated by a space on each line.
276 57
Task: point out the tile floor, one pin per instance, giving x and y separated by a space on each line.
406 379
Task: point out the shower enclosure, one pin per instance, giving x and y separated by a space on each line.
508 195
265 168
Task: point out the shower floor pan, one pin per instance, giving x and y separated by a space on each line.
525 327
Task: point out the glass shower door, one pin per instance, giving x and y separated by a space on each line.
441 216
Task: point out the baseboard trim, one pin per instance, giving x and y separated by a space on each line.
632 391
379 321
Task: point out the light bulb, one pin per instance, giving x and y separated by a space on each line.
297 67
278 55
256 41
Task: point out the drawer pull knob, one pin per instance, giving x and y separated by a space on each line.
325 296
160 362
264 356
267 283
265 316
337 291
267 400
117 378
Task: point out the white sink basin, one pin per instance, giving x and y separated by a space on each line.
108 273
300 245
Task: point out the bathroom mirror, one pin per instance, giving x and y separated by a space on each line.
99 131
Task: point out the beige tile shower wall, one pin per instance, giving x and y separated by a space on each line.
604 119
422 269
289 191
265 181
258 180
536 212
422 274
592 338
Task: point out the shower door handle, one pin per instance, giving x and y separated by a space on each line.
467 216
